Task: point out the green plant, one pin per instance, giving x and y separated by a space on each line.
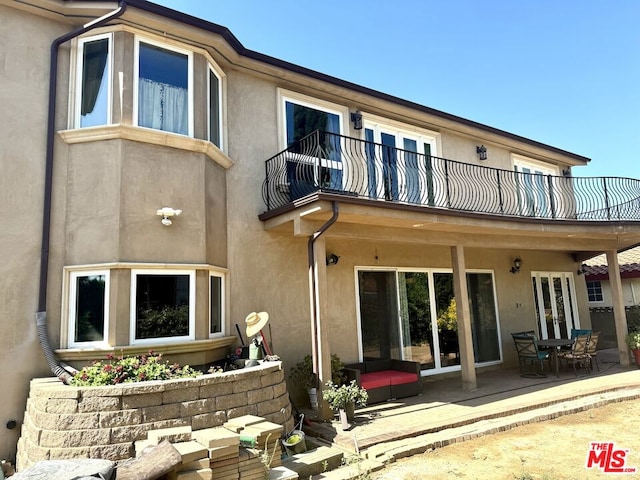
633 340
302 372
338 396
131 369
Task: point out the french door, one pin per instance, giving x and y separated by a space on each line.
536 197
399 164
555 301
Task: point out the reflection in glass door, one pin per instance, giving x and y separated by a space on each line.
554 299
411 315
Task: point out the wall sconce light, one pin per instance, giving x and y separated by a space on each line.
356 118
583 269
332 259
517 264
566 172
482 151
166 213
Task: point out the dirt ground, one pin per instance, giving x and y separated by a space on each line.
552 450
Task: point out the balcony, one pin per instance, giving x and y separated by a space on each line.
325 162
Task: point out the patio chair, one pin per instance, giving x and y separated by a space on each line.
528 353
578 354
592 346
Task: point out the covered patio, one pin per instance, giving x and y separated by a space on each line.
447 413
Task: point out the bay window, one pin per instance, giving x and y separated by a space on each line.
216 304
93 98
164 91
89 308
162 305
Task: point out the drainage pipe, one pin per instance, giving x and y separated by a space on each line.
41 314
313 288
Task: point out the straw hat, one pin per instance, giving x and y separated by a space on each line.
256 322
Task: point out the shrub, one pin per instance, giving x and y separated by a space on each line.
131 369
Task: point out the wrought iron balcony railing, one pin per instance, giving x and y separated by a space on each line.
326 162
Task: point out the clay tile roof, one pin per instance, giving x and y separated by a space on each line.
629 264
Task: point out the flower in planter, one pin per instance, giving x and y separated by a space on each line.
131 369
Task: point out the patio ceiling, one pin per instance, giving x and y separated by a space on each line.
394 222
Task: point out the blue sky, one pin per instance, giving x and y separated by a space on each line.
565 73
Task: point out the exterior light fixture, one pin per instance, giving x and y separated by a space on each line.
517 264
482 151
332 259
166 213
582 270
356 118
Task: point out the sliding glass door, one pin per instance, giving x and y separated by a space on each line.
411 315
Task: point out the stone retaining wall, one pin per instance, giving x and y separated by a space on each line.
63 422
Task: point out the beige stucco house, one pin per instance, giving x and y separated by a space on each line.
366 225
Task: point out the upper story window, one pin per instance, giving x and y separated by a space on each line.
164 92
89 308
301 116
594 290
130 80
215 108
535 187
93 99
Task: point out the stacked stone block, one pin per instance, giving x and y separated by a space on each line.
63 422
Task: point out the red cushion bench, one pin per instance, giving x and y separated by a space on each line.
386 379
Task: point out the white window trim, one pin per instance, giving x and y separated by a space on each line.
211 68
520 161
420 135
601 291
192 306
79 69
223 296
73 276
136 79
305 101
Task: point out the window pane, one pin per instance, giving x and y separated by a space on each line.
484 321
379 315
89 308
302 120
447 318
95 82
214 109
163 96
162 306
417 329
215 297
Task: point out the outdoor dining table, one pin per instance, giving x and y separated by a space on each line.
553 344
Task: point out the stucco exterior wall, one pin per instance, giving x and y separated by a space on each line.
23 97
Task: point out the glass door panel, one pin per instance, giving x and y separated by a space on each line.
379 315
416 317
484 318
555 293
447 320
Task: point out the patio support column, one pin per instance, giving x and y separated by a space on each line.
321 346
467 361
617 298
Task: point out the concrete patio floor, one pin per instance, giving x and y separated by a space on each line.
445 413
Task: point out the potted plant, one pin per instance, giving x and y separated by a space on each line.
302 374
343 399
633 342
